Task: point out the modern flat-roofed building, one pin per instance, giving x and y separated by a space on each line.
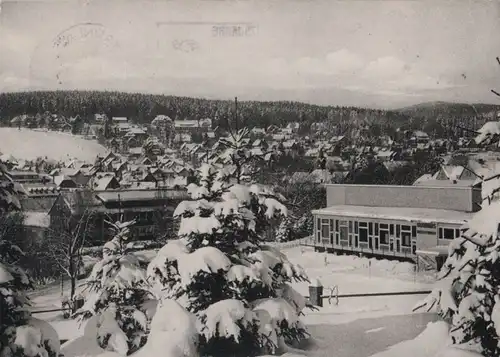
410 222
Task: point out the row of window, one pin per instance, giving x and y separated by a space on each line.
342 229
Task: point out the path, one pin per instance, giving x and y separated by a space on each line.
365 337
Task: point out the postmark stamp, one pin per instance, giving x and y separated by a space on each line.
74 43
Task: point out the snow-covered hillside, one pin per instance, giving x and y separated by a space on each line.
29 144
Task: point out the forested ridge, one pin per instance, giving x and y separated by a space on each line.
142 108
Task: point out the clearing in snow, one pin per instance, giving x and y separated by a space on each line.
53 144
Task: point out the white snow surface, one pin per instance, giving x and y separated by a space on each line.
350 273
432 342
486 222
208 259
224 316
55 145
173 332
5 275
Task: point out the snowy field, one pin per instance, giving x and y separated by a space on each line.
27 144
374 318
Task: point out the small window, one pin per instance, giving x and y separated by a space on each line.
446 233
414 231
336 225
406 228
457 233
391 232
363 224
356 227
376 229
331 225
350 226
398 230
384 226
370 228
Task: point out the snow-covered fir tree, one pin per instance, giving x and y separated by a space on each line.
467 293
284 232
220 270
242 157
20 333
118 295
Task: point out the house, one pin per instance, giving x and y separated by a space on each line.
80 177
138 135
191 126
152 208
106 183
293 127
36 220
63 181
419 138
122 124
258 131
25 176
100 118
406 222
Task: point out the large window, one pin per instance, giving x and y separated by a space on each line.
325 228
363 232
343 230
448 233
406 234
384 233
405 239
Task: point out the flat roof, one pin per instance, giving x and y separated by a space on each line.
437 186
423 215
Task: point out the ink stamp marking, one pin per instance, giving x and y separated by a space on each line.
68 46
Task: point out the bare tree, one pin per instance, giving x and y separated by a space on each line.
66 242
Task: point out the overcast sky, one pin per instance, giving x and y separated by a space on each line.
373 53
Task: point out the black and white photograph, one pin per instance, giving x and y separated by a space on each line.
249 178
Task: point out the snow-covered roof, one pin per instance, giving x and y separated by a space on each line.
445 183
102 183
488 129
140 195
423 215
424 177
36 219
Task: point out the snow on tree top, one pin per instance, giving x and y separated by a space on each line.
484 225
191 206
240 192
224 317
293 297
171 339
278 308
201 225
240 273
5 275
208 259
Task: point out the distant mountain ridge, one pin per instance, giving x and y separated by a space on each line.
448 109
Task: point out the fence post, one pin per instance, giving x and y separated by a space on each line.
316 293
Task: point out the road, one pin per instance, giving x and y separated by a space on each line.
365 337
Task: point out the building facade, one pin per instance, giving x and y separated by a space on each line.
408 222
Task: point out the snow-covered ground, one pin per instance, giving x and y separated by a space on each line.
351 274
367 325
27 144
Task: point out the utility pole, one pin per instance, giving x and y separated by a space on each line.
236 113
119 208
